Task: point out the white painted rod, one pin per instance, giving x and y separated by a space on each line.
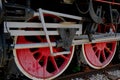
31 45
59 14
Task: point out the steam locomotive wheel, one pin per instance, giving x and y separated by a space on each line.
99 55
38 63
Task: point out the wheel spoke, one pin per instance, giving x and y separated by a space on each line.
98 54
95 49
103 55
108 50
35 51
64 57
40 57
45 62
54 63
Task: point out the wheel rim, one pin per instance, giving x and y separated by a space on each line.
37 63
99 55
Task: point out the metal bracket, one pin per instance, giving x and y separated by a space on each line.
115 16
93 15
91 29
67 36
41 17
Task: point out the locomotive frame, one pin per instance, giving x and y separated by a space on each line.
84 29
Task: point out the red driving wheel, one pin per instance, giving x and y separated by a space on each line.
37 63
99 55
